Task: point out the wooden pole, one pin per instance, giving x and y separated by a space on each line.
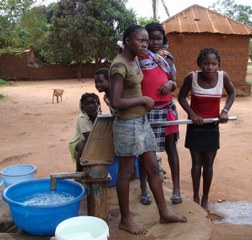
97 203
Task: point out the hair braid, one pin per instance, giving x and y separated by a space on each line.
206 51
93 95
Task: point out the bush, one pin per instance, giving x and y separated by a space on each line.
3 82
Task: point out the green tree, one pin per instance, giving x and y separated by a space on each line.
82 29
107 26
13 9
49 11
32 29
238 12
11 30
5 32
144 21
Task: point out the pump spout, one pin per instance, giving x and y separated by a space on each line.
71 175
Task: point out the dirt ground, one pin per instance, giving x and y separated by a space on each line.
33 130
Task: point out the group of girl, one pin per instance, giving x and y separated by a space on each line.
141 80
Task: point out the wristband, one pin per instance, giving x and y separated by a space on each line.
225 110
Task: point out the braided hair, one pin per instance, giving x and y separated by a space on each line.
206 51
155 26
131 29
94 96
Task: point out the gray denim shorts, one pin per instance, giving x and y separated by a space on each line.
133 137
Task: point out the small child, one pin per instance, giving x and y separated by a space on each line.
202 140
90 107
102 84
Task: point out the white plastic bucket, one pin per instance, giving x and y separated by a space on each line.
17 173
82 228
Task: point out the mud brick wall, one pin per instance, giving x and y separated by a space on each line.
21 68
233 50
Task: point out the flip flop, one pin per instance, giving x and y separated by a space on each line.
176 199
163 176
145 200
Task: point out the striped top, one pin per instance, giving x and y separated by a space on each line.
206 102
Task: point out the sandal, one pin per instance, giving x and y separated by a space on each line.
162 172
176 199
145 200
163 176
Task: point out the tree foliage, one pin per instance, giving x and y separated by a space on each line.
107 20
144 20
238 12
5 32
14 9
82 29
10 14
32 29
22 26
88 28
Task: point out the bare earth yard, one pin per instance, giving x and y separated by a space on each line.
33 130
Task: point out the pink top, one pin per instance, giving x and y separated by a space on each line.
153 79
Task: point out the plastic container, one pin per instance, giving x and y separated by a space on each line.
82 228
42 219
113 170
17 173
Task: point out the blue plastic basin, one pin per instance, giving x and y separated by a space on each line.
42 219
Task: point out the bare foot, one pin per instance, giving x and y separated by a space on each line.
196 199
204 204
172 218
130 226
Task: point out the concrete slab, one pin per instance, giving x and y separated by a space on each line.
198 227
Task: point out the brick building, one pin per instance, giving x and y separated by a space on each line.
197 27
